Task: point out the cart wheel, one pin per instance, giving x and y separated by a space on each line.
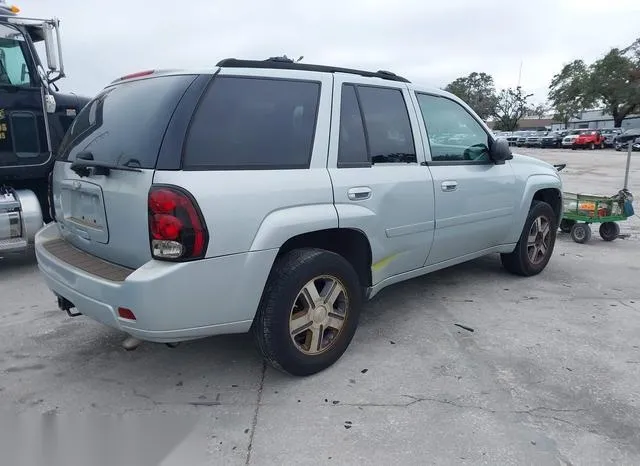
581 233
609 231
566 225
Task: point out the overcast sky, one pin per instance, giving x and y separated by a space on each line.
426 41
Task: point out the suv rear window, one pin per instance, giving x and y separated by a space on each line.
125 123
253 123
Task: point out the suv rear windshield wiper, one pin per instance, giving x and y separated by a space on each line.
84 162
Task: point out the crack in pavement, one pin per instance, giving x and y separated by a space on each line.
254 423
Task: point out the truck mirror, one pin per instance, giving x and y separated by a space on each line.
49 45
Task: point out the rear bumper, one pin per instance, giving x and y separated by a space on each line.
171 301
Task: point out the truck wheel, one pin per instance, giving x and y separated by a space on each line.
602 145
566 225
609 231
535 246
309 311
581 233
592 146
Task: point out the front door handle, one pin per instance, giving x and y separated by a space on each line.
359 194
448 186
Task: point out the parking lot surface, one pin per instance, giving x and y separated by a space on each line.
550 373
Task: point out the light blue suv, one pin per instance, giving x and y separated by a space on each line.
274 197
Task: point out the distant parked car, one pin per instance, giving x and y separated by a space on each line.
610 135
535 138
551 139
622 140
571 136
522 138
589 140
512 138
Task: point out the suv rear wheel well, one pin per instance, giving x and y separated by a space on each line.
351 244
552 197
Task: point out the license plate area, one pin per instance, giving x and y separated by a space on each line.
83 210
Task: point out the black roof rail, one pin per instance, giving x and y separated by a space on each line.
284 63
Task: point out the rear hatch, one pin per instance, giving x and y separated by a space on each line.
106 164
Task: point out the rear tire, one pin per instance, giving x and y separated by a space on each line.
609 231
581 233
535 246
309 293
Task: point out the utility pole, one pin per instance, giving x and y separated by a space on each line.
520 74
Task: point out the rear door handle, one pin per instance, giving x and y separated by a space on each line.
448 186
359 194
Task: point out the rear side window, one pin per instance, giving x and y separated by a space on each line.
385 135
352 148
245 123
125 123
388 126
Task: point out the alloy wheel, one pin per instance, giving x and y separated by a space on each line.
318 315
539 239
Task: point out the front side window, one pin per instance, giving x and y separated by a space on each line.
245 123
13 65
454 135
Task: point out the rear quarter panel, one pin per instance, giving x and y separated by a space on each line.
251 210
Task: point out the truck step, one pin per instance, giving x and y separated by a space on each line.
13 244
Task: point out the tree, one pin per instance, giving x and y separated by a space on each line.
478 91
511 106
539 111
613 82
567 91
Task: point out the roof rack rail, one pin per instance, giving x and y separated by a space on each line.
285 63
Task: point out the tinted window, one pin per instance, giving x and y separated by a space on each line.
124 124
13 66
249 123
387 125
352 149
454 135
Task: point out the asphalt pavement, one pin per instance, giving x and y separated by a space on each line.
547 370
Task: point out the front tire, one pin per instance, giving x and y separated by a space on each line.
309 311
535 246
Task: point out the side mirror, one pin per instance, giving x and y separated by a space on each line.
50 46
500 151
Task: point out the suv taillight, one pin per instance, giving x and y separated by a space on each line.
177 230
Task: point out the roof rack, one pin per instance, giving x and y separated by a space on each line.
284 63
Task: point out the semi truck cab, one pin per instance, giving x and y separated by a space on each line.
34 116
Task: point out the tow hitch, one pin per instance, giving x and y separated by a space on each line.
66 305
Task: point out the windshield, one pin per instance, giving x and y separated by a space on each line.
13 65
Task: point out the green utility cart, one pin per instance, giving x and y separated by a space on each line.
581 210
